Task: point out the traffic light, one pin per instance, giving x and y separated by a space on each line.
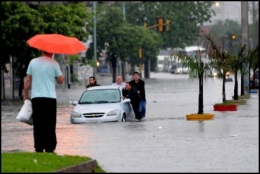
140 53
166 27
160 24
233 37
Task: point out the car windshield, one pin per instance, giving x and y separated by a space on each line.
100 96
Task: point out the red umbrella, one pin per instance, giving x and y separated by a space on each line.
56 43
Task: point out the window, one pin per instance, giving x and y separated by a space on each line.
100 96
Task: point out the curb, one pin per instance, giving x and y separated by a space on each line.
86 167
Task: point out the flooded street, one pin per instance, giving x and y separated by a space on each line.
164 141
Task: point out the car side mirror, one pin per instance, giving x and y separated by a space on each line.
74 103
126 100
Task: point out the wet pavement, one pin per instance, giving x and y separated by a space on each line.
164 141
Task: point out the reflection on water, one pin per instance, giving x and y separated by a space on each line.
18 135
201 126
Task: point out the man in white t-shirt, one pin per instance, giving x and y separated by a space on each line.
42 74
119 81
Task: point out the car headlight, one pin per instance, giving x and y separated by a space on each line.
112 113
75 114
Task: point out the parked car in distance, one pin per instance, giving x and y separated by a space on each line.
212 73
100 104
173 69
177 68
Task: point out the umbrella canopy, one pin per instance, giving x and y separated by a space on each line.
56 43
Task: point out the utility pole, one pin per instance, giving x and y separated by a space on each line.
140 55
254 39
245 40
123 64
95 38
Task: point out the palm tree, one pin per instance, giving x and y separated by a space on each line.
220 61
235 65
197 68
253 61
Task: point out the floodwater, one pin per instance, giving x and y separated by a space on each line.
164 141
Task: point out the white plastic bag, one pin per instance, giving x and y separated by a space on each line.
25 114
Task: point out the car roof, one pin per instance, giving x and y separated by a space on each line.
104 87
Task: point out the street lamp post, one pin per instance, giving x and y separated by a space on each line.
95 37
125 65
244 39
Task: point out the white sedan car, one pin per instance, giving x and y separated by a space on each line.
101 104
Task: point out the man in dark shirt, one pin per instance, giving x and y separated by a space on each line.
131 93
139 85
92 82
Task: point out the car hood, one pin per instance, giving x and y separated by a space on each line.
89 108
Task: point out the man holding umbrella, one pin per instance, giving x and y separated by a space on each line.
42 74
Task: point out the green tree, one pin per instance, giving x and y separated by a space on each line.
219 60
73 20
236 62
197 68
20 22
151 45
253 61
184 16
109 25
121 39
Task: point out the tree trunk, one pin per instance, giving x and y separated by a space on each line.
236 86
249 76
132 69
201 90
123 71
253 80
113 62
21 84
147 69
3 85
223 87
242 84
